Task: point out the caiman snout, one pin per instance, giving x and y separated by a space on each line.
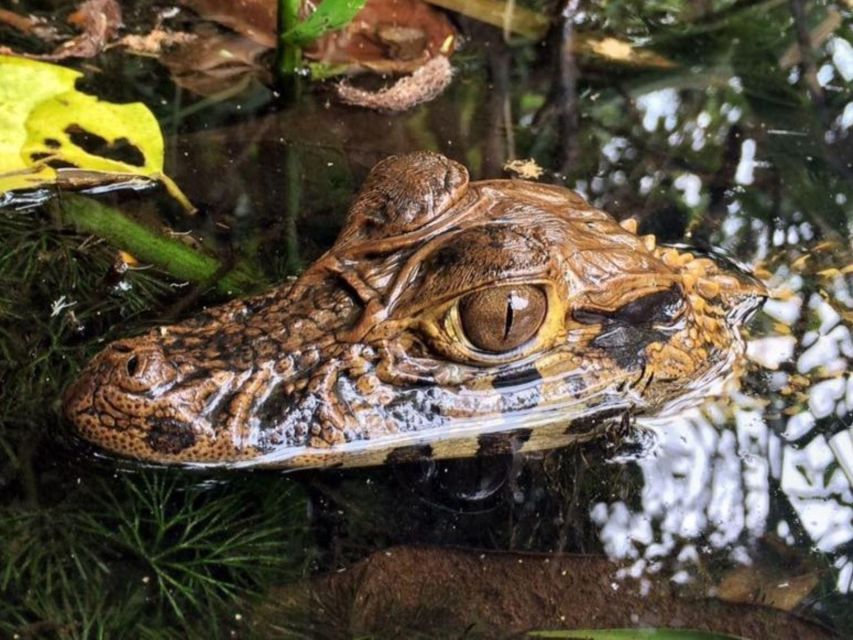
138 368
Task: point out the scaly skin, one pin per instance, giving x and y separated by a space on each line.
366 358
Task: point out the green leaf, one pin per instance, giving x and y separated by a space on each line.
329 16
50 133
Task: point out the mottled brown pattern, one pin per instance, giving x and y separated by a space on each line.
367 353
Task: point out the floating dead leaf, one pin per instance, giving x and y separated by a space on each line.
526 169
762 273
50 133
255 19
386 36
829 273
30 25
98 21
427 82
782 293
127 259
826 245
211 64
156 41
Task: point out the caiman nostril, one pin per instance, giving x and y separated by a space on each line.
132 365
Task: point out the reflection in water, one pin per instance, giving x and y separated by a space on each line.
710 482
717 474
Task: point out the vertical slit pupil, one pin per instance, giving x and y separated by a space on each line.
508 321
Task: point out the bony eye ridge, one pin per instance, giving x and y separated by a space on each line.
500 319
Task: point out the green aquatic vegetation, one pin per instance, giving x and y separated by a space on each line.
153 549
43 323
202 547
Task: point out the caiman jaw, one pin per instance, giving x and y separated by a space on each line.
446 316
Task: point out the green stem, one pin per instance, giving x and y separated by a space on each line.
173 256
290 55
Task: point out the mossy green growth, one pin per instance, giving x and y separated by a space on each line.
154 550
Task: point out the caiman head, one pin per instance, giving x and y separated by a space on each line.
445 315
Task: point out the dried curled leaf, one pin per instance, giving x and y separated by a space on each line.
52 134
423 85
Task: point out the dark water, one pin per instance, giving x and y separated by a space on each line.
734 141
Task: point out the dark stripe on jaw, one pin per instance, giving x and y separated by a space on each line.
516 377
411 453
493 444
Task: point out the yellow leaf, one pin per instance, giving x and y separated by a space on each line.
23 85
57 127
45 123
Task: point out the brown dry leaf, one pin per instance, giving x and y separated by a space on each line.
386 36
154 42
427 82
212 64
29 25
99 21
255 19
782 329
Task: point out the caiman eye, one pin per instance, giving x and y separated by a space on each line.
502 318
